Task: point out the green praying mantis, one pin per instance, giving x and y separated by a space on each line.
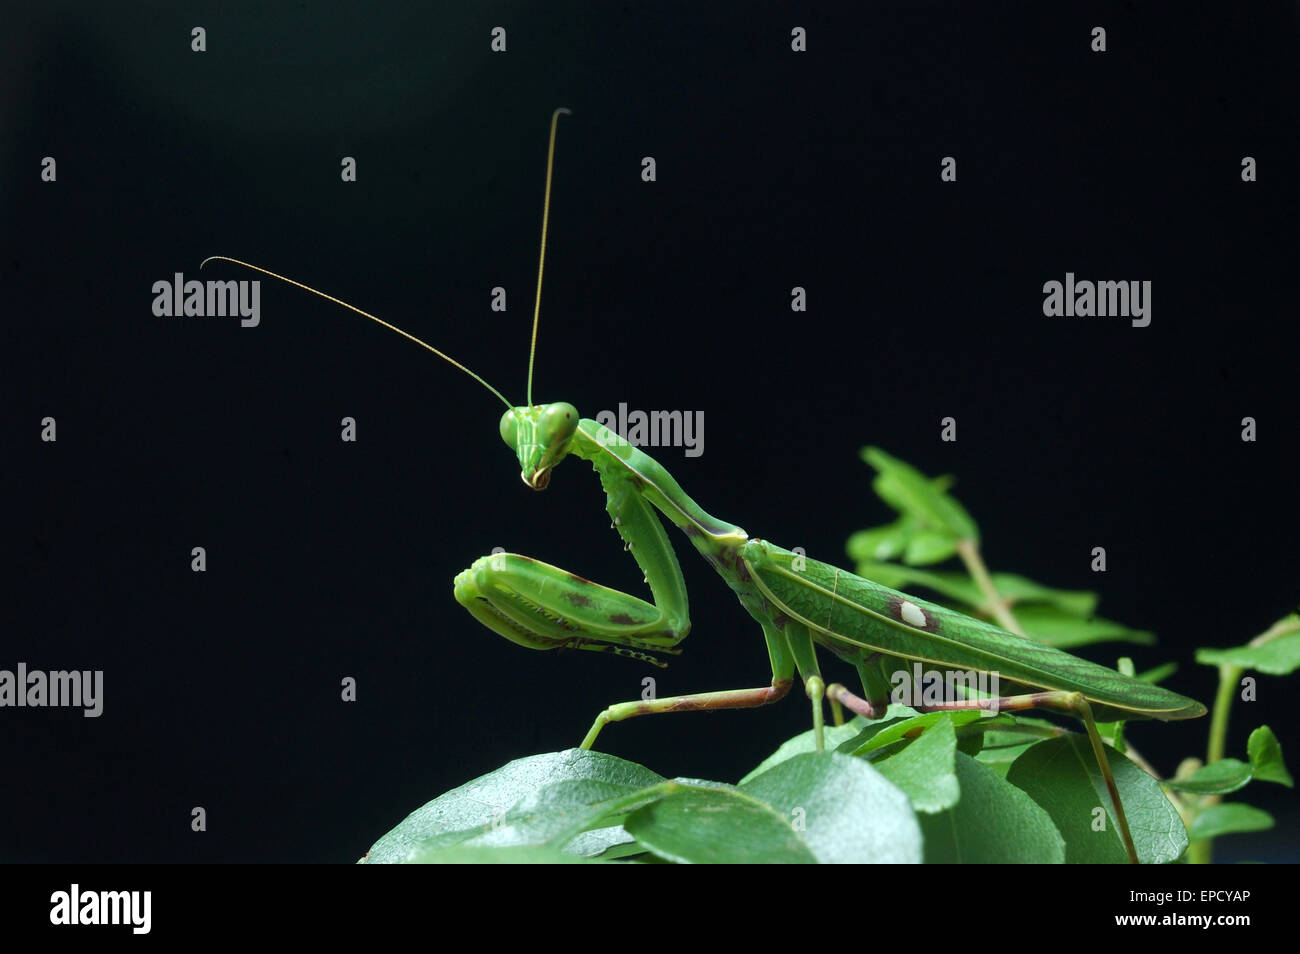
799 603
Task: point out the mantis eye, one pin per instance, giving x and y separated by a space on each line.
557 424
508 431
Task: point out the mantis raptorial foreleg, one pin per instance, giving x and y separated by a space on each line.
544 607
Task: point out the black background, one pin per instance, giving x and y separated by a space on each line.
775 169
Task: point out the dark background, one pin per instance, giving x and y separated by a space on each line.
775 169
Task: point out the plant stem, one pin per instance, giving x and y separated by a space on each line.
1202 852
970 555
1229 677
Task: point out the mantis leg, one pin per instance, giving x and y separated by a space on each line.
874 683
1070 703
725 699
541 606
545 607
805 657
782 679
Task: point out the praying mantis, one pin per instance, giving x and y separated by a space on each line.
799 603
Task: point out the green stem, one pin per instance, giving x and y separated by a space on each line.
1229 676
970 555
1202 852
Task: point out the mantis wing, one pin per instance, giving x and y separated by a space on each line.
854 617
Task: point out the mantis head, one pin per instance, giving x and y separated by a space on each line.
540 436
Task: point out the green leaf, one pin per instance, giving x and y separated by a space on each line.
924 769
1266 757
970 738
1226 819
603 843
561 810
954 586
1022 591
1113 733
1056 627
881 543
1001 749
468 854
482 806
808 808
1217 778
993 823
849 811
930 546
835 735
1228 775
894 713
1062 776
909 491
885 734
695 824
1278 657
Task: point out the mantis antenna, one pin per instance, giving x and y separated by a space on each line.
537 306
541 258
364 314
